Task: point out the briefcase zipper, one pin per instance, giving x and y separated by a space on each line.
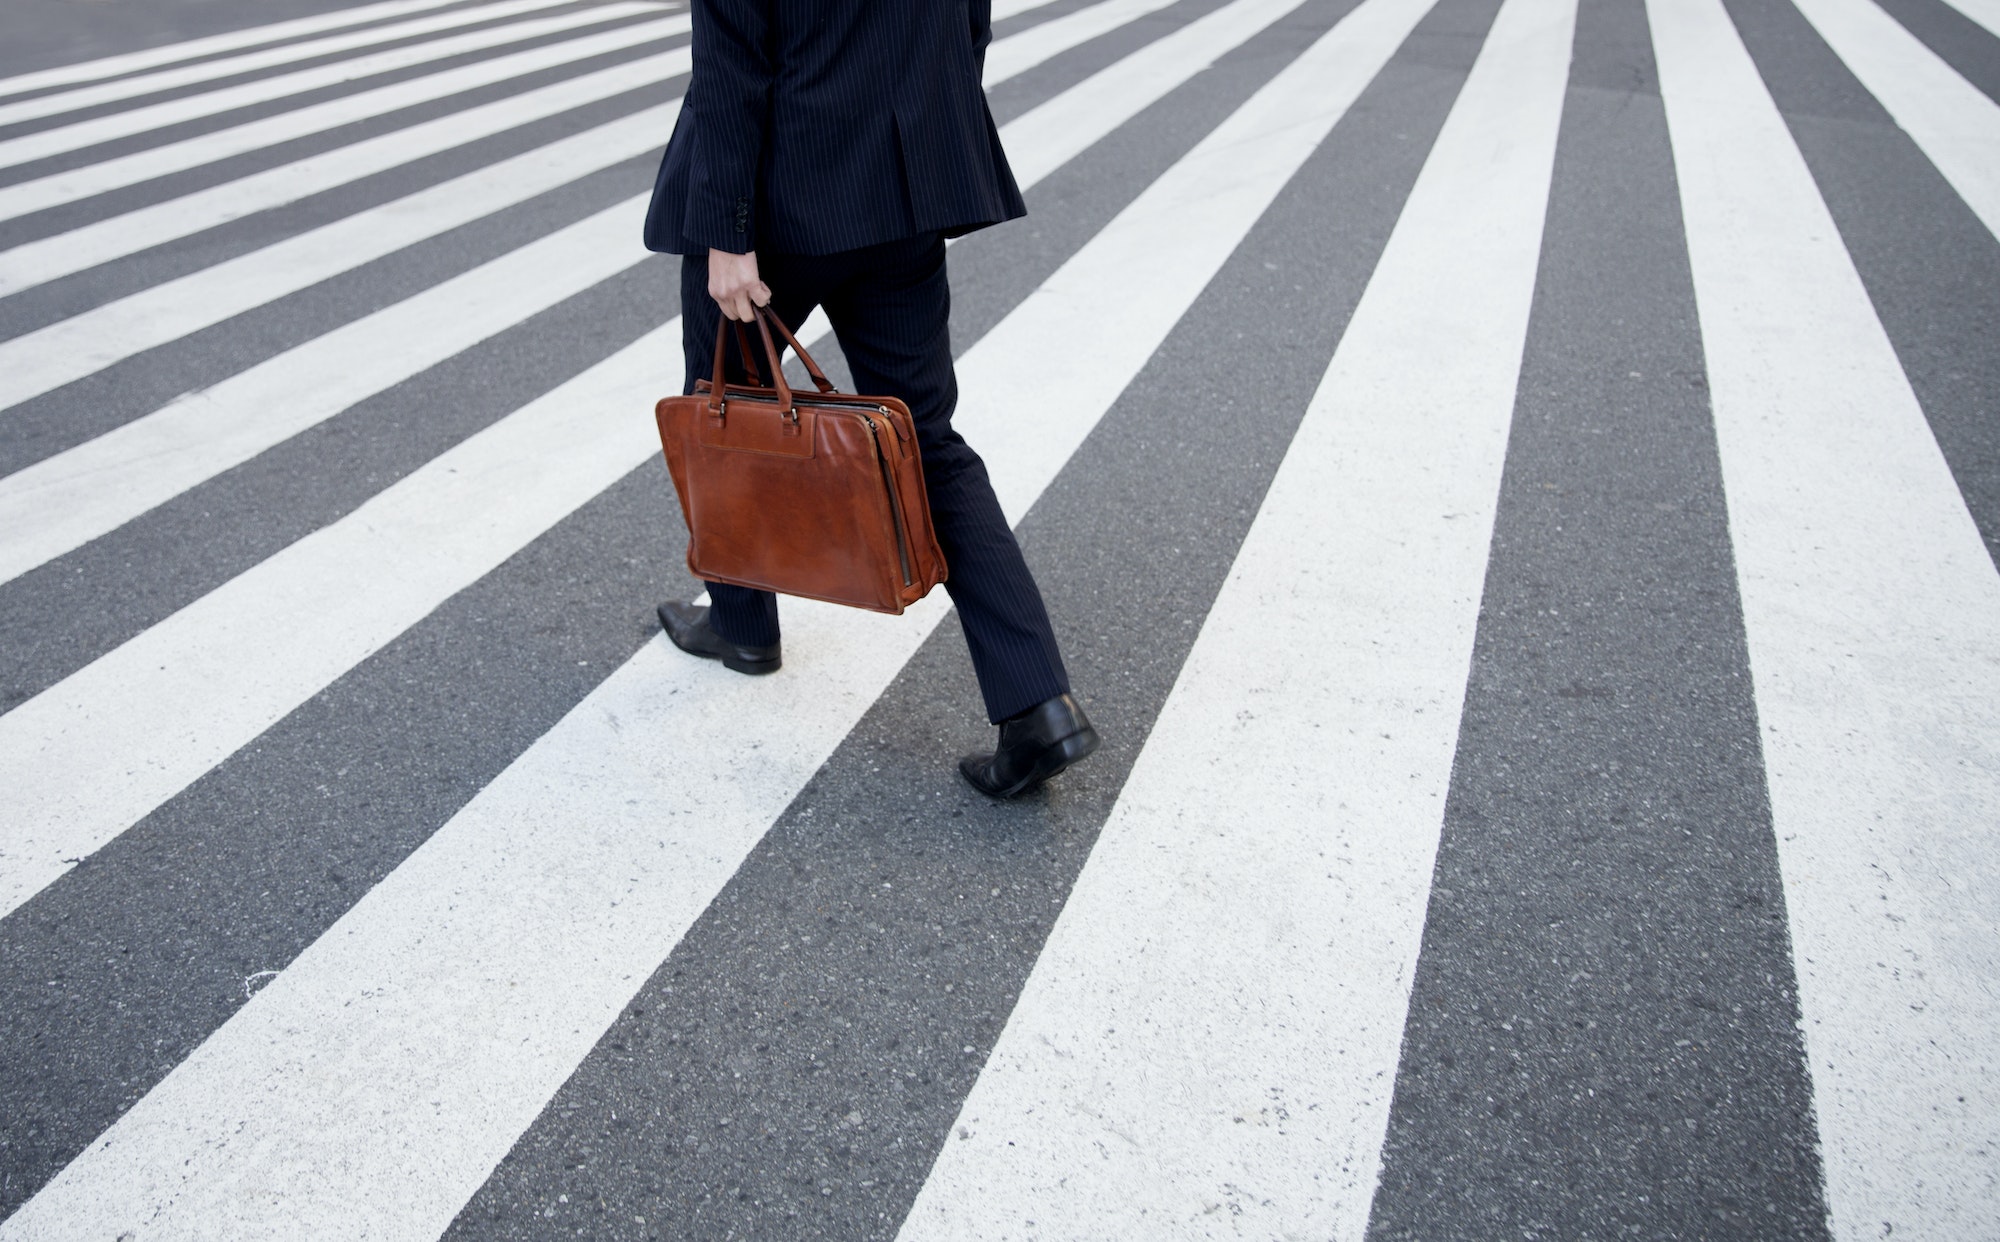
895 509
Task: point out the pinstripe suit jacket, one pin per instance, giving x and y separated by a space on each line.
815 126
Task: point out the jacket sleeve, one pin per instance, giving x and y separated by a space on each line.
730 97
981 13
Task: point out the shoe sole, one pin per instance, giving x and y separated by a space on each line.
1057 758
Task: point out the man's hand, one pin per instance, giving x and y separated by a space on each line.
733 283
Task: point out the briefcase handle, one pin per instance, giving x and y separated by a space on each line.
766 319
744 351
819 378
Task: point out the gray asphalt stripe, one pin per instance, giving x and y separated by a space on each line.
91 208
1930 266
202 889
1962 43
793 1067
1602 1034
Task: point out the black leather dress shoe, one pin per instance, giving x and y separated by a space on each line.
1034 746
688 628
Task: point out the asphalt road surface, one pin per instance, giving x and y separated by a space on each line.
1517 483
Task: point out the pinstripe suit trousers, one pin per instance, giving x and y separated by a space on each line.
889 305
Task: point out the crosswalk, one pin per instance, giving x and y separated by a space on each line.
1550 683
250 62
1858 566
1146 1035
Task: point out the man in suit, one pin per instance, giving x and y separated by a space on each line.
825 150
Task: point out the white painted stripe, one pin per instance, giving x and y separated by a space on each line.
47 142
39 361
249 62
211 45
1215 1022
1950 119
1004 9
378 1079
116 236
1873 616
1049 136
1984 12
1019 53
65 501
65 187
73 810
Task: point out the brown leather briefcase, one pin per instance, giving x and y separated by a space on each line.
819 495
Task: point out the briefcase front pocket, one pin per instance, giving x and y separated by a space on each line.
817 495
